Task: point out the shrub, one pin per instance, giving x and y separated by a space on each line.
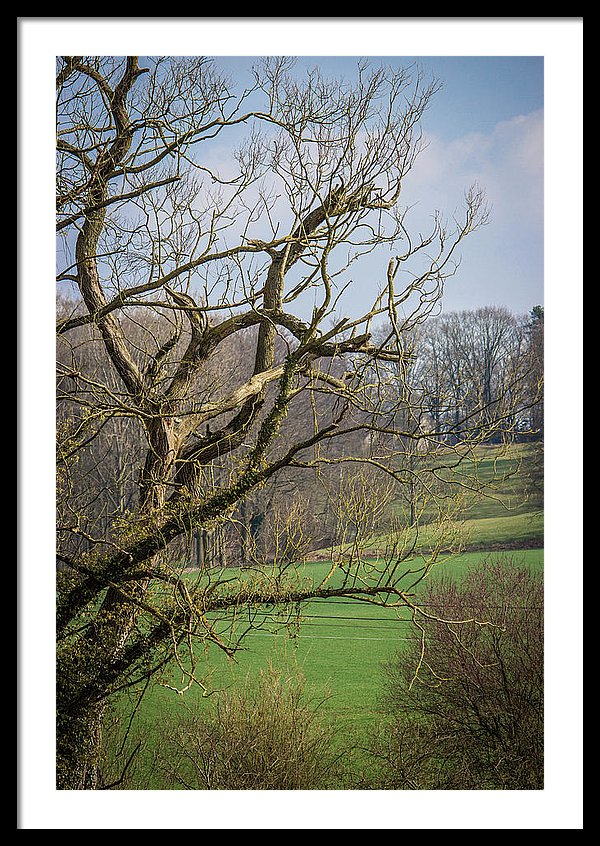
265 735
465 702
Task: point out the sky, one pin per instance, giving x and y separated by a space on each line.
510 115
485 125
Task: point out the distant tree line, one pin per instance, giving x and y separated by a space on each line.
454 369
464 364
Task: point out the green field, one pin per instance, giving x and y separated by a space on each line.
338 644
500 496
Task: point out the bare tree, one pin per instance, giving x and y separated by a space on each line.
535 366
190 328
466 699
473 364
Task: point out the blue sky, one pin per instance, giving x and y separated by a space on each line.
485 125
478 92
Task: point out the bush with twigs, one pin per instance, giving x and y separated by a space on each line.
264 735
464 704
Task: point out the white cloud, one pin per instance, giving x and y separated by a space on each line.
507 163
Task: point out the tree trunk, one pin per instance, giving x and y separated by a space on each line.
86 674
79 746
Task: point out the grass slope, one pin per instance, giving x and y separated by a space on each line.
339 645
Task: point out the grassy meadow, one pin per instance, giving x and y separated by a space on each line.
338 645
